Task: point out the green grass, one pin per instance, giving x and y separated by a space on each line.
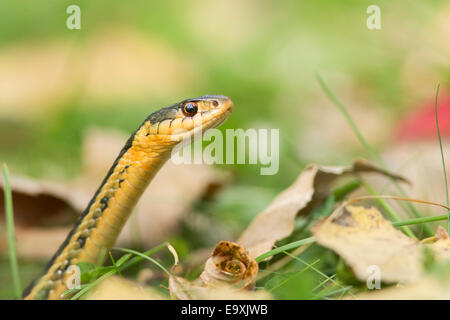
374 154
442 154
442 217
11 234
100 273
388 209
289 246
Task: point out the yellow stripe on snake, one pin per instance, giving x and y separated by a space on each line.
140 159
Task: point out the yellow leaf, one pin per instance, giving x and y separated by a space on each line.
363 238
117 288
311 188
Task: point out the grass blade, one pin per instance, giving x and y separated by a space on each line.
374 154
122 264
366 145
390 212
288 246
144 256
11 234
442 154
420 220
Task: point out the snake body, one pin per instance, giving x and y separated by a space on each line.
140 159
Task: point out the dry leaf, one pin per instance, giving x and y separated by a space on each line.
182 289
227 272
117 288
43 212
40 202
441 247
230 264
363 238
311 187
427 288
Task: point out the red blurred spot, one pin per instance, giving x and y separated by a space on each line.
420 124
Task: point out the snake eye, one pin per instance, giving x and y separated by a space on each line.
190 109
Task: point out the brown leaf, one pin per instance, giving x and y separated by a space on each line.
39 243
228 272
230 264
181 289
40 202
362 237
43 210
426 288
117 288
311 188
441 249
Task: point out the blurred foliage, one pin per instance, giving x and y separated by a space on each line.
262 54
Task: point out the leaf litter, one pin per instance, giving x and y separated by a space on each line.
310 189
360 235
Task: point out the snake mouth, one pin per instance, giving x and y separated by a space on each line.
220 118
229 106
217 115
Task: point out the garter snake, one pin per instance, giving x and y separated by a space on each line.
143 154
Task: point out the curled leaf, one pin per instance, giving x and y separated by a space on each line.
228 272
230 264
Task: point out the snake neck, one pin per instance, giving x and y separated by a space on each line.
100 224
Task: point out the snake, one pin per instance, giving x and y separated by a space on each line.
148 148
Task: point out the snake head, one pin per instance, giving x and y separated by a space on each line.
189 117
